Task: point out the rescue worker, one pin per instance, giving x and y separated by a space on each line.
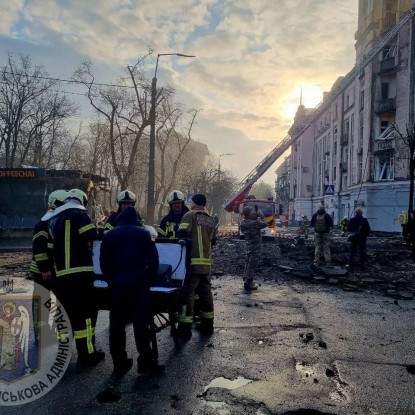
305 226
322 223
129 276
200 228
359 229
71 233
170 223
125 199
343 226
251 228
41 267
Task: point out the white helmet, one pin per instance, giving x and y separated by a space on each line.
57 198
175 196
126 196
79 195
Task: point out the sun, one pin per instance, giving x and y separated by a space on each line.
310 96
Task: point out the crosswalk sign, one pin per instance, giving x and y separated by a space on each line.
329 189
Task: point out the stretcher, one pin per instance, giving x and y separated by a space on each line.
165 289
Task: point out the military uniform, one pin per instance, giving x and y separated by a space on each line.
305 226
321 235
251 228
343 226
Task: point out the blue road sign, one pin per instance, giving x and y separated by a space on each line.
329 189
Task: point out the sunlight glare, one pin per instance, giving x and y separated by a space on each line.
312 96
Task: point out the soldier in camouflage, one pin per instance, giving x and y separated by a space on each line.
251 228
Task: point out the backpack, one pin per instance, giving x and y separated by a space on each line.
320 225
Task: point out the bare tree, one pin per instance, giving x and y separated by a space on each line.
207 181
32 111
408 139
125 109
262 190
172 146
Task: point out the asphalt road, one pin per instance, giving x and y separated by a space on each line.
289 348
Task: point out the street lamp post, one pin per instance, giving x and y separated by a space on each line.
152 144
225 154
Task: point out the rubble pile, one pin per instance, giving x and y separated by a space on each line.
390 269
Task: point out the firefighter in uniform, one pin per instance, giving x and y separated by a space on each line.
129 276
251 228
72 232
41 266
170 223
125 199
200 228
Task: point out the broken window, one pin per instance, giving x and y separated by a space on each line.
384 166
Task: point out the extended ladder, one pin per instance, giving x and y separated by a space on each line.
244 186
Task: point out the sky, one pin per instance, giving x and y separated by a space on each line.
253 58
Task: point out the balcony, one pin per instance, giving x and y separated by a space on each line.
386 105
387 22
380 145
387 65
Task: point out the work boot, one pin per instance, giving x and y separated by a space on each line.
123 366
91 359
149 366
205 326
184 331
250 286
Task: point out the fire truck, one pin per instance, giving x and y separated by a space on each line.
266 206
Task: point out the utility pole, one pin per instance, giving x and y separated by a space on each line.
152 145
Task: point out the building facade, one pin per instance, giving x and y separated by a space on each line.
347 152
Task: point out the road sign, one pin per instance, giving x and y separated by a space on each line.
329 189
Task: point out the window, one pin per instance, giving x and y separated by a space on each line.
362 99
360 143
385 90
346 128
383 126
384 167
360 169
347 101
352 126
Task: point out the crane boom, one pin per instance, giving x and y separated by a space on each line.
244 186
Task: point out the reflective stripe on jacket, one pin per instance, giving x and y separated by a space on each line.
42 256
200 227
72 233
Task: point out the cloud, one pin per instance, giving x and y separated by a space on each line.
9 14
252 57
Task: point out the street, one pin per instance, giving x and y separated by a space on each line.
289 348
